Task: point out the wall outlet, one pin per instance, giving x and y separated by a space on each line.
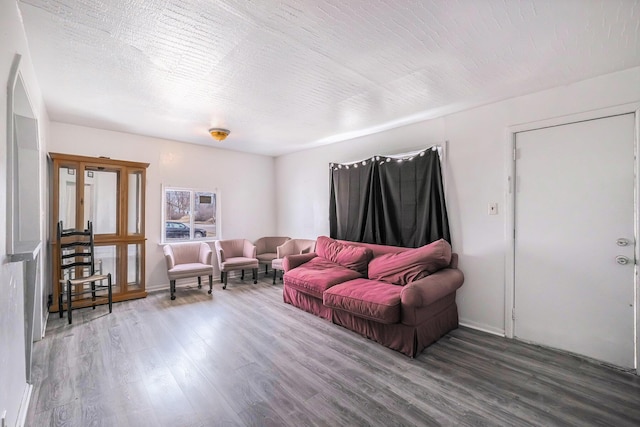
493 209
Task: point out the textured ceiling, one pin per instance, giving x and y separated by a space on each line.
291 74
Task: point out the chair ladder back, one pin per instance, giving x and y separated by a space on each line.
77 246
77 262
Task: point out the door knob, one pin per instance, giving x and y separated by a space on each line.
622 242
622 260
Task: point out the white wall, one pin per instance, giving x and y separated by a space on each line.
246 181
13 385
474 176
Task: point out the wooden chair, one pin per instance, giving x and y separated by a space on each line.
78 272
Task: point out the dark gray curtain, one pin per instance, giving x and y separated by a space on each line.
386 201
352 201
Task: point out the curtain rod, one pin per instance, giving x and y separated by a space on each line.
435 147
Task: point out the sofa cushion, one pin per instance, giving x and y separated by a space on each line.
405 267
350 256
378 301
317 275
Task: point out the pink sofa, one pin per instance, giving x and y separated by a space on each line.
402 298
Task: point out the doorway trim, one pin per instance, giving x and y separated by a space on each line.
509 231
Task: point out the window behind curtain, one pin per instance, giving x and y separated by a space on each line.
389 201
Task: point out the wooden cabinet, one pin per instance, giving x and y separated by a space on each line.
111 194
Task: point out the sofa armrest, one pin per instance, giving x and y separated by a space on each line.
292 261
430 289
454 260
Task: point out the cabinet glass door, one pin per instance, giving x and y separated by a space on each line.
135 206
106 262
101 200
134 266
67 195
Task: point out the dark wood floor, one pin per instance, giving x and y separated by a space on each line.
243 357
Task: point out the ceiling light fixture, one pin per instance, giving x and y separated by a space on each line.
218 133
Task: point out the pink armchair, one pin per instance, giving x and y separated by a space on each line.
266 249
290 247
186 260
234 255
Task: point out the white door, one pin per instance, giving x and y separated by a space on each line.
574 215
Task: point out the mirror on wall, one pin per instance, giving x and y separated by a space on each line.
24 225
23 168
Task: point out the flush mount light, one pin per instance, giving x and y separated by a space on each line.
219 133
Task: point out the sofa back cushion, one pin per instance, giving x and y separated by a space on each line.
354 257
405 267
377 250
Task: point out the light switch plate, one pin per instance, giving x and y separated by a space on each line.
493 209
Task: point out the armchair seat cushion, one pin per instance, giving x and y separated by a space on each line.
276 264
266 257
183 271
317 275
369 299
238 263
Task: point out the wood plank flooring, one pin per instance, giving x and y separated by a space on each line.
242 357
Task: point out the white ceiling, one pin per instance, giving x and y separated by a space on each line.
291 74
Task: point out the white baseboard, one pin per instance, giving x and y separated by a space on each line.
24 405
484 328
44 325
160 287
180 283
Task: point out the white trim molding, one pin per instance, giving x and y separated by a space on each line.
510 185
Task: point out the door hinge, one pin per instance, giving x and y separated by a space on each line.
514 154
513 314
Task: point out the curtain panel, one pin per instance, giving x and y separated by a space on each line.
389 201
